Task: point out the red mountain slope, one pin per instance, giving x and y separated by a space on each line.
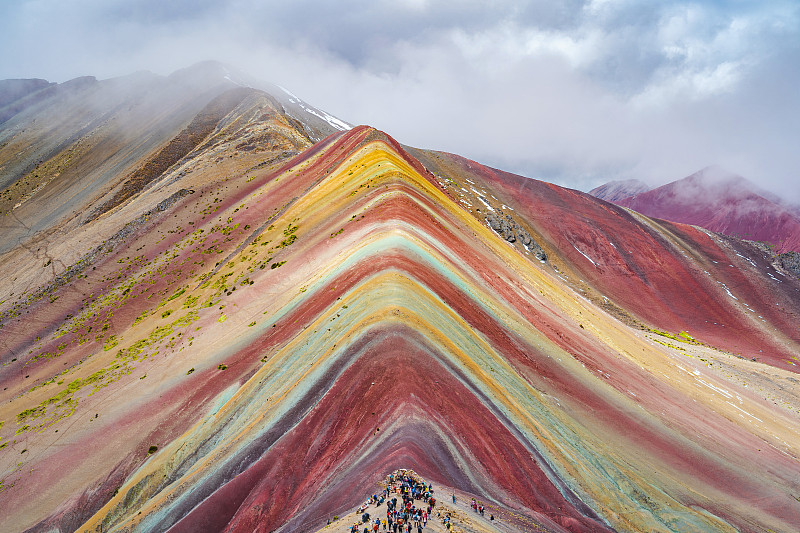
674 277
724 203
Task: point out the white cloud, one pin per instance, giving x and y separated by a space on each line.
578 92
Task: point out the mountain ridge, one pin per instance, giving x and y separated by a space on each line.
255 338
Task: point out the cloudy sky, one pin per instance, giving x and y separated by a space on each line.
574 92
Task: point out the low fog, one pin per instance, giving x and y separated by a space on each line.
578 93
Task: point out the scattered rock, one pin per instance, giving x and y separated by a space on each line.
510 230
790 261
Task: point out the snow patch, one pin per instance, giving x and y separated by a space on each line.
746 259
584 255
484 202
240 84
745 412
330 119
289 93
727 290
719 390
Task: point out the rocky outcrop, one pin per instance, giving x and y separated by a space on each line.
511 231
790 261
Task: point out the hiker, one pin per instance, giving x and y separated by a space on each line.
454 497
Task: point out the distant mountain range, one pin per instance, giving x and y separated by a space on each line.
716 200
224 309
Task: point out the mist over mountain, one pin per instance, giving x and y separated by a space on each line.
717 200
575 93
225 309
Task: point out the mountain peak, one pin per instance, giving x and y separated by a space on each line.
722 201
719 180
616 190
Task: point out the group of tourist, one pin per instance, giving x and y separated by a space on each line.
409 502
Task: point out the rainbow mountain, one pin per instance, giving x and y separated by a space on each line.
226 310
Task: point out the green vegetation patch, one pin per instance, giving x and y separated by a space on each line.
290 236
64 403
683 336
177 294
110 343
